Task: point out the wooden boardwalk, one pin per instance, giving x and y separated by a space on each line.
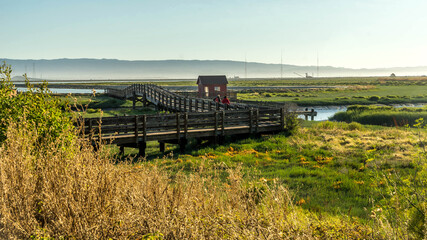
188 118
170 101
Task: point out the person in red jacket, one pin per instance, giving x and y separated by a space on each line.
217 99
226 102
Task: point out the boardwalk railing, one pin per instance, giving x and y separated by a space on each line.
170 101
143 128
194 118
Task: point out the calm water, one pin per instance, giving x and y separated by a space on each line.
67 90
325 112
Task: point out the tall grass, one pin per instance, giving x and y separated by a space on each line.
60 190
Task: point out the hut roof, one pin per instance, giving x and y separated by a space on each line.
212 80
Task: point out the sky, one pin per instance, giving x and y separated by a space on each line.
339 33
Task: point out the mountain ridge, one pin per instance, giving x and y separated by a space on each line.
90 68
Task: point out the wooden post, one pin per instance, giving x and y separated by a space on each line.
203 105
144 130
162 146
136 129
185 105
196 105
256 120
185 125
175 102
210 106
142 146
122 150
223 123
178 127
250 120
282 118
190 105
134 100
215 136
216 123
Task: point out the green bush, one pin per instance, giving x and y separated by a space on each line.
392 96
374 98
35 108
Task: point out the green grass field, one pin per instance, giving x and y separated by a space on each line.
342 96
329 167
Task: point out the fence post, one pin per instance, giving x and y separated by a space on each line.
134 100
223 123
136 129
196 105
190 105
178 128
185 125
282 118
144 130
256 120
250 120
216 124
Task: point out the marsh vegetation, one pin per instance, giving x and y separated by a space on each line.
327 180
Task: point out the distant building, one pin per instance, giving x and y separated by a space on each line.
211 86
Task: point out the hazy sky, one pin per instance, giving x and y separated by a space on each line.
343 33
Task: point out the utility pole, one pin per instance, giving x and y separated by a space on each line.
317 63
281 65
246 69
34 70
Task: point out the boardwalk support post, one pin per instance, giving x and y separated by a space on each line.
178 127
282 118
162 146
142 146
250 120
136 129
134 100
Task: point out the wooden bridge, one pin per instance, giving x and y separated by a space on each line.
170 101
188 118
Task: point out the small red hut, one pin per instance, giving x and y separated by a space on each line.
211 86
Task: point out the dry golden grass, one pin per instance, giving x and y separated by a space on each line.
60 190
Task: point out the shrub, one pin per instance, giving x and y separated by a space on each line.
35 107
392 96
374 98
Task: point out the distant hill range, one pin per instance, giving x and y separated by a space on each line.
79 69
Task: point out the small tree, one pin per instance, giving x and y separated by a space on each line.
35 108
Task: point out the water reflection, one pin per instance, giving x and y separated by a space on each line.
67 90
